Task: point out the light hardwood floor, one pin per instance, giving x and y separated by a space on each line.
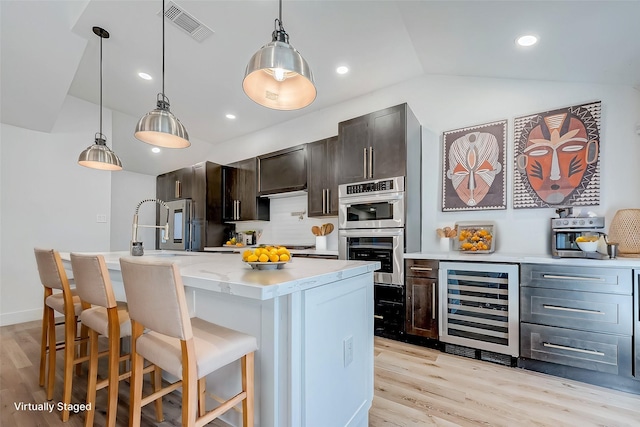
414 386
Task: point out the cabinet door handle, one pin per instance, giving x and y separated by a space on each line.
376 316
433 301
364 163
324 201
579 350
239 207
575 310
562 277
414 268
328 201
178 190
370 162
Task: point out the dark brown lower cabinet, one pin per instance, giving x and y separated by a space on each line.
421 278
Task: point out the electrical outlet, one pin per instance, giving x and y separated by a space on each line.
101 218
347 346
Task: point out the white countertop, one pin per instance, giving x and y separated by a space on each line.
525 259
226 273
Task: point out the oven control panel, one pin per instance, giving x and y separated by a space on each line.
369 187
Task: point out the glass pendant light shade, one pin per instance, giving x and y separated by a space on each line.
277 76
99 156
161 128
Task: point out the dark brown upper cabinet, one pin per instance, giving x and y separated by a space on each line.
240 201
283 171
378 145
322 181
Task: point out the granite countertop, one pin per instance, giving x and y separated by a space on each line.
525 259
226 273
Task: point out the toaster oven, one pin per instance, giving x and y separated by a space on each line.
565 231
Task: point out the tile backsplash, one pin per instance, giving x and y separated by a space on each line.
290 225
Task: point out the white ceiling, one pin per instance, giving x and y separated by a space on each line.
48 50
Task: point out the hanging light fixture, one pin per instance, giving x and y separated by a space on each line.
98 155
277 76
159 126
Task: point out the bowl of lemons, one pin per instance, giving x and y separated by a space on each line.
267 258
588 242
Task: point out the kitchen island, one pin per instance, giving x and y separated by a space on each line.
313 320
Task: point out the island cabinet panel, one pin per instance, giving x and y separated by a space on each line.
322 183
283 171
240 200
578 317
421 278
378 145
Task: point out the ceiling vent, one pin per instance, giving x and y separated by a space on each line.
183 20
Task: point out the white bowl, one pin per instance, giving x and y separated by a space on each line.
588 246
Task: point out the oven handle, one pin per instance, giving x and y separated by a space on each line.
371 232
372 198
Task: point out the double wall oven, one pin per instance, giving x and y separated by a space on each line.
373 226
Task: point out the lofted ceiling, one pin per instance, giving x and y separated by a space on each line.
48 50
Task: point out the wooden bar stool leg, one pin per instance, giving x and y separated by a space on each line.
248 387
43 345
51 377
93 377
156 382
69 356
84 334
135 395
114 371
202 396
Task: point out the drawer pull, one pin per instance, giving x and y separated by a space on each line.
433 301
421 268
553 276
376 316
579 350
576 310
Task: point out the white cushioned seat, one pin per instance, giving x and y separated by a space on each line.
56 301
216 346
96 319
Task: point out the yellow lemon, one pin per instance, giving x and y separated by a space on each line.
284 257
252 258
228 242
274 258
246 254
263 258
282 250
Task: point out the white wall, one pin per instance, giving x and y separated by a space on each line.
443 103
50 201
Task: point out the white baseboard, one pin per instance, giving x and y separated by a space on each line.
20 317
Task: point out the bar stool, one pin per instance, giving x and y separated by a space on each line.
53 276
107 318
188 348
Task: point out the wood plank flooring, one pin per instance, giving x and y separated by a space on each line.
414 386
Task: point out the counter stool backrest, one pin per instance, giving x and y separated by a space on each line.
155 296
52 274
92 280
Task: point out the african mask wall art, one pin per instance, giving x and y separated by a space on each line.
557 158
474 167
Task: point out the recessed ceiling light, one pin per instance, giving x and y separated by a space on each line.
528 40
342 70
155 150
230 116
145 76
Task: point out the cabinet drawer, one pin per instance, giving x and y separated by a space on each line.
421 268
587 350
589 279
585 311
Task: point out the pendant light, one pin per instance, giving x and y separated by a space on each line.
98 155
277 76
159 126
